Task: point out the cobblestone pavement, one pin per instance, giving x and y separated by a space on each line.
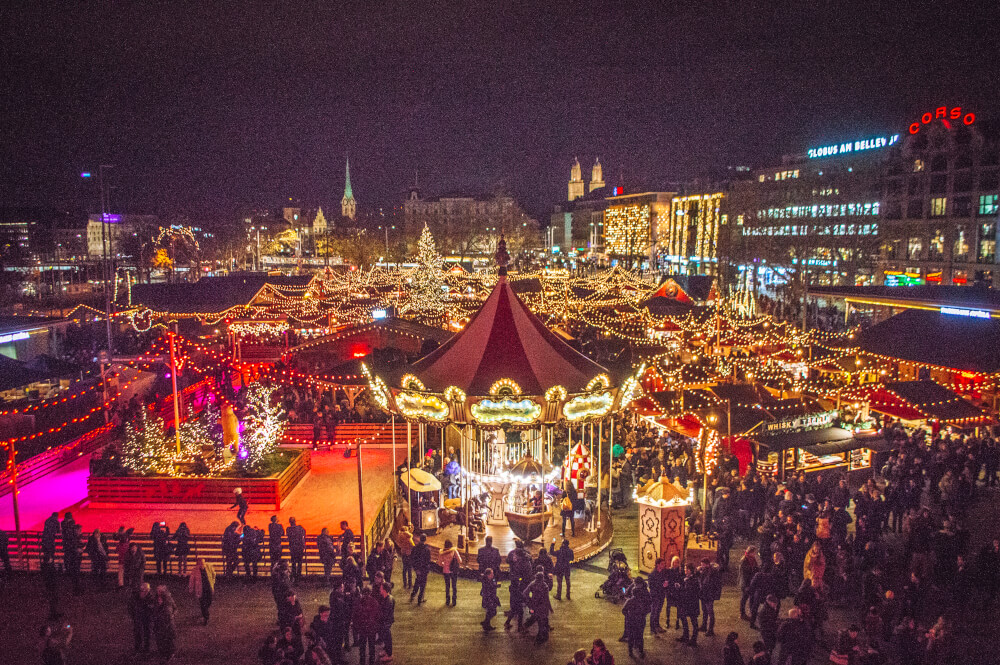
429 634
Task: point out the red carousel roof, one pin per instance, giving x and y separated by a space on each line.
504 340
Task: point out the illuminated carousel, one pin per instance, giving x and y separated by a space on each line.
501 388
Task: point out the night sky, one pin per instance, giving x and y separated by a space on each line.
208 111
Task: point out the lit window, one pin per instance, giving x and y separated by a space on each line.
760 178
918 165
915 248
938 206
988 204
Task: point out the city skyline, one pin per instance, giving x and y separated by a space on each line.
208 113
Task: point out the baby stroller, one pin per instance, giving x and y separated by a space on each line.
619 577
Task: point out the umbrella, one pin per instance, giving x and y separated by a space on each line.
419 480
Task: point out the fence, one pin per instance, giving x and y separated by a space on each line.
377 434
35 467
383 521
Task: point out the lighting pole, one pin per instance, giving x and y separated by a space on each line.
712 419
13 495
173 380
361 510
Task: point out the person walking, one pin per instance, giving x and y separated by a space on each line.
123 540
182 547
387 617
421 558
201 582
296 547
164 629
519 563
635 610
327 553
491 601
450 561
536 596
749 566
49 532
767 619
97 551
566 510
275 543
241 504
562 567
140 610
387 561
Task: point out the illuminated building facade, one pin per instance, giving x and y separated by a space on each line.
688 236
631 223
941 190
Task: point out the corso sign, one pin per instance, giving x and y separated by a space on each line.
945 115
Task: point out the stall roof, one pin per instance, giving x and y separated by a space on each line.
935 400
921 336
876 443
826 436
14 374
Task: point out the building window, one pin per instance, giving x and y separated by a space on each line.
960 250
959 277
963 182
915 209
913 187
894 210
914 249
961 206
936 246
939 163
939 184
918 165
987 242
989 180
988 204
938 206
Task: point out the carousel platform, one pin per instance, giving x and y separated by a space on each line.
585 544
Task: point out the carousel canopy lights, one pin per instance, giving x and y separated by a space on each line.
588 406
422 407
489 412
454 394
555 394
505 387
412 382
599 382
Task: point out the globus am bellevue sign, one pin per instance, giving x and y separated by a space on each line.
852 146
945 115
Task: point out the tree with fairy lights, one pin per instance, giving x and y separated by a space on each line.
146 448
427 280
264 424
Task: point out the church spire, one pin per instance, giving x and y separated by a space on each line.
596 176
348 206
575 180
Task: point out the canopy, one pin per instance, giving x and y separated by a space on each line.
528 469
419 480
662 492
504 340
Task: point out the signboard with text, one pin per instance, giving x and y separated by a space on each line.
804 423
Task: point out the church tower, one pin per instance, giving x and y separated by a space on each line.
348 206
596 176
575 181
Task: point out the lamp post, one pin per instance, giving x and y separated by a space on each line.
361 509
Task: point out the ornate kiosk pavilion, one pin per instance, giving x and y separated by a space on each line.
501 387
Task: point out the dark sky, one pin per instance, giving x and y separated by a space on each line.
209 107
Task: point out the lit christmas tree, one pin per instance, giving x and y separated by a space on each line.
265 424
146 448
427 280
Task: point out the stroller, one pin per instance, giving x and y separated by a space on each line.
619 577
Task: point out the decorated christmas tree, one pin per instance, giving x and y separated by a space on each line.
146 448
264 424
427 280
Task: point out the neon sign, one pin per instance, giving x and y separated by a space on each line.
945 115
852 146
13 337
961 311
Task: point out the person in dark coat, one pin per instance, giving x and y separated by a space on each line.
536 596
767 619
296 547
711 591
160 535
635 610
49 532
281 581
352 571
140 609
240 502
794 639
387 617
231 548
365 619
340 613
97 551
420 557
687 605
251 552
327 552
675 584
275 542
346 542
182 547
323 627
289 610
519 563
488 558
563 567
657 594
491 601
731 652
72 556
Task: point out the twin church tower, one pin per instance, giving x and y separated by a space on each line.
576 188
